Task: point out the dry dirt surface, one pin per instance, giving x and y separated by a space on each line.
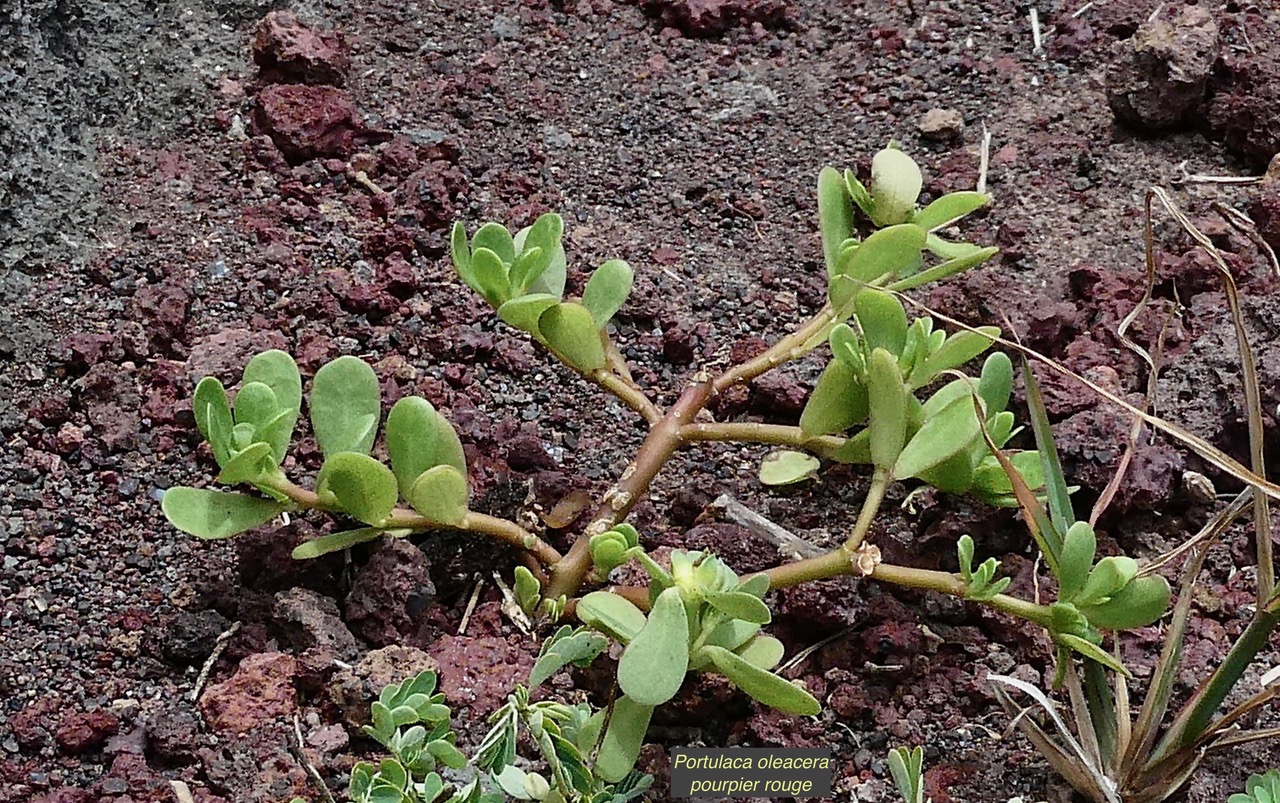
184 184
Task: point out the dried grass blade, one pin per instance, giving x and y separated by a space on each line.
1083 716
1073 763
1156 705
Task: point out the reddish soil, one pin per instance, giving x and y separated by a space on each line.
179 195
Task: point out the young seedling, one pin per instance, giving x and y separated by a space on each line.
1263 788
412 722
906 765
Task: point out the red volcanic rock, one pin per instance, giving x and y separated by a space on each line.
306 122
260 692
289 52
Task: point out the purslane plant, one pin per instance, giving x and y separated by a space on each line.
893 395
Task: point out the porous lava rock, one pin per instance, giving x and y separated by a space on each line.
1159 79
289 52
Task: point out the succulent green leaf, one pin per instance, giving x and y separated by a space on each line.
883 321
757 585
255 404
213 417
1141 602
858 193
785 467
495 238
460 251
346 404
216 514
959 264
608 551
733 634
612 614
740 605
948 209
523 312
996 382
835 215
545 235
838 401
1109 576
1093 652
887 409
906 766
278 371
955 352
527 589
249 464
846 346
895 186
440 495
763 652
420 438
891 251
607 290
1078 548
571 332
552 280
763 685
654 664
567 646
944 435
622 739
336 542
364 488
992 485
491 275
953 475
528 261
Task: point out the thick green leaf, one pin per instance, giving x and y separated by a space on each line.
891 251
420 438
440 495
213 417
1109 576
607 290
740 605
215 514
526 263
883 321
248 464
545 235
622 739
612 614
346 404
278 371
835 215
1138 604
858 193
523 313
948 209
757 585
552 280
838 401
1093 652
460 251
996 381
732 634
762 685
763 652
1078 548
951 267
943 436
364 488
572 647
846 346
654 664
888 409
491 275
527 589
255 404
955 352
571 332
785 467
336 542
495 238
953 475
895 186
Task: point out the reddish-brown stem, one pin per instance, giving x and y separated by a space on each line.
663 441
791 347
401 518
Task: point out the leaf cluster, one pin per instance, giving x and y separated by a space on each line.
880 365
427 465
1263 788
523 277
411 721
567 738
702 618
